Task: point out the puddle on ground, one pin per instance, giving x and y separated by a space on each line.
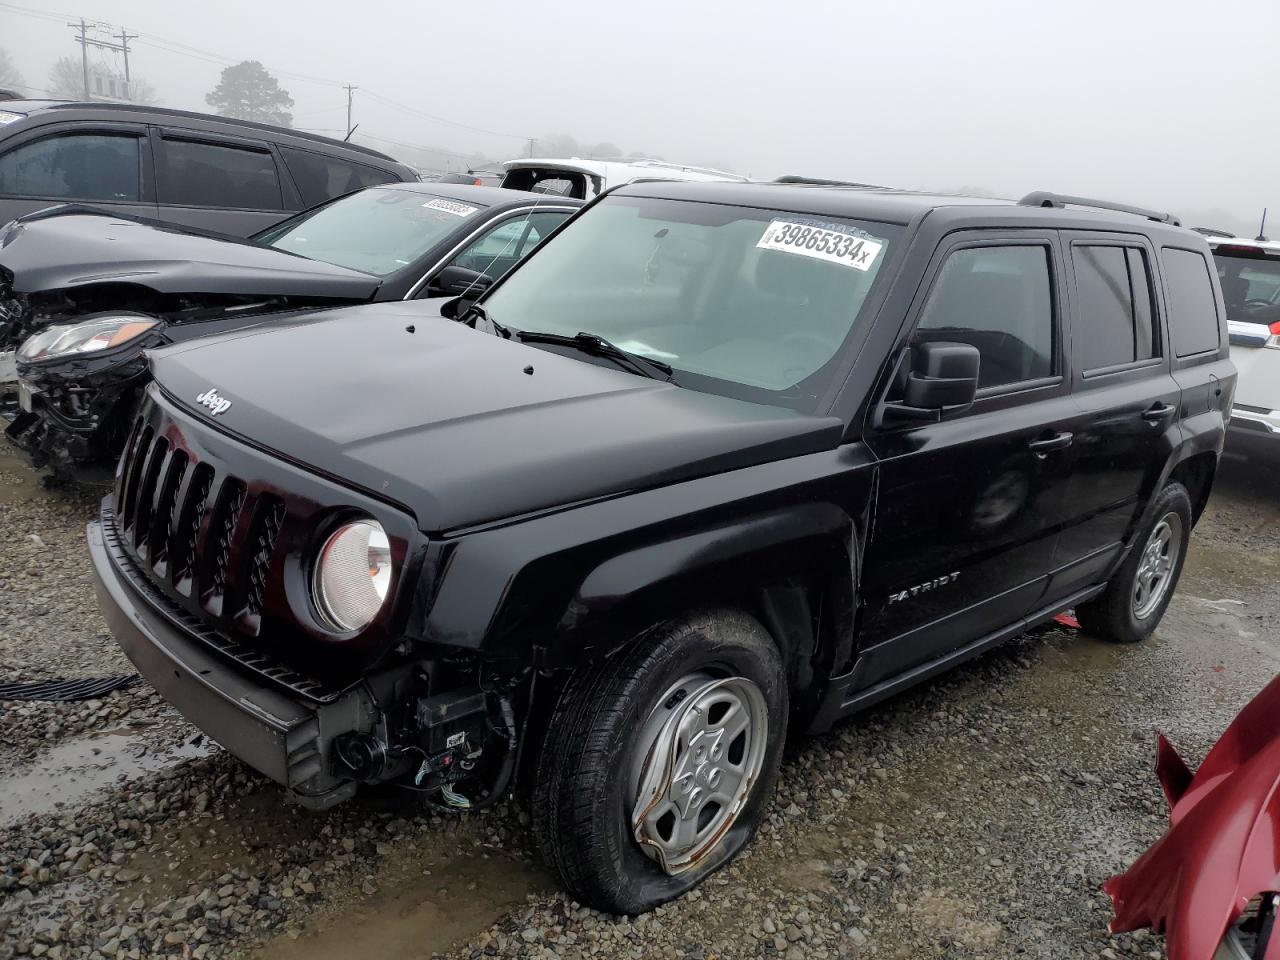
225 837
416 916
67 772
18 481
1078 652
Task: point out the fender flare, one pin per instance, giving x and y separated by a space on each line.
813 542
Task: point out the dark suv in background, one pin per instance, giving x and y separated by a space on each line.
715 461
189 169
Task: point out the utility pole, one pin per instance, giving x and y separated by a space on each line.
84 52
124 48
350 90
531 146
85 43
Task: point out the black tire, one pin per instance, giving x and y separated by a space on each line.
1111 615
583 794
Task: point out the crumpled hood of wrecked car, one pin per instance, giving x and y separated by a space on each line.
462 427
68 250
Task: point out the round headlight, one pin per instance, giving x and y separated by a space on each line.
352 574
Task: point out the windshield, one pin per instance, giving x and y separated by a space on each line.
1250 287
746 302
377 231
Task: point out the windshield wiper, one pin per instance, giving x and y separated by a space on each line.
598 346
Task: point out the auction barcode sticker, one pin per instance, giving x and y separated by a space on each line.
450 206
834 246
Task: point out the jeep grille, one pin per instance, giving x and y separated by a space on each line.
164 505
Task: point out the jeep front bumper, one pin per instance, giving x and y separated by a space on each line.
282 736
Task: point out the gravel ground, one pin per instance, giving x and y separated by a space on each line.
975 816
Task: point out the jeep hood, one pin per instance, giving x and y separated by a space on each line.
55 251
462 427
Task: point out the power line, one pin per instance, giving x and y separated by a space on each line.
419 146
208 56
49 15
429 116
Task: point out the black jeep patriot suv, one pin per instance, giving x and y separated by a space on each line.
718 461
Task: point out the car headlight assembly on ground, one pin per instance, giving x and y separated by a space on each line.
91 336
352 574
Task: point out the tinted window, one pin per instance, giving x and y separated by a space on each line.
1193 315
496 250
1250 286
214 175
1114 321
320 178
379 230
73 167
999 300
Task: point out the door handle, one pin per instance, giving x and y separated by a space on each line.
1159 412
1059 441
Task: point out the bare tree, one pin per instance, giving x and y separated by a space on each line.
10 78
141 91
66 79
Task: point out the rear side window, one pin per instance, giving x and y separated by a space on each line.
999 300
320 178
197 174
78 166
1115 323
1193 315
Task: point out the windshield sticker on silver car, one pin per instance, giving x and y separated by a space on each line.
450 206
835 246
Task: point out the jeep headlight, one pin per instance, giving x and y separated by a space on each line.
352 575
90 336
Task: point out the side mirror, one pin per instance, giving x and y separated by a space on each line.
460 282
942 382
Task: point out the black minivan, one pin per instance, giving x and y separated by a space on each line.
188 169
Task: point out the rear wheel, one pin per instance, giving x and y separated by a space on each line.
658 763
1140 590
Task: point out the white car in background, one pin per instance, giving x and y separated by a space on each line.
1249 273
584 179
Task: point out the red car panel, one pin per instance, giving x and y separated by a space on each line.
1222 847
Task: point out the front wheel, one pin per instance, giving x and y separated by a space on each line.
1140 590
658 763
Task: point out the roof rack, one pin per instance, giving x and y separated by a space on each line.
1042 198
668 165
820 182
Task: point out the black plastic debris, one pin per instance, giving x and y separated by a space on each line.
66 691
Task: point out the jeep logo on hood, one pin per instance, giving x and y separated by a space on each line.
215 403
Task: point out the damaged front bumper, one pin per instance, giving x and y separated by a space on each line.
283 735
71 416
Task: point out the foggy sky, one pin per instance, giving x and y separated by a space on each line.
1168 104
